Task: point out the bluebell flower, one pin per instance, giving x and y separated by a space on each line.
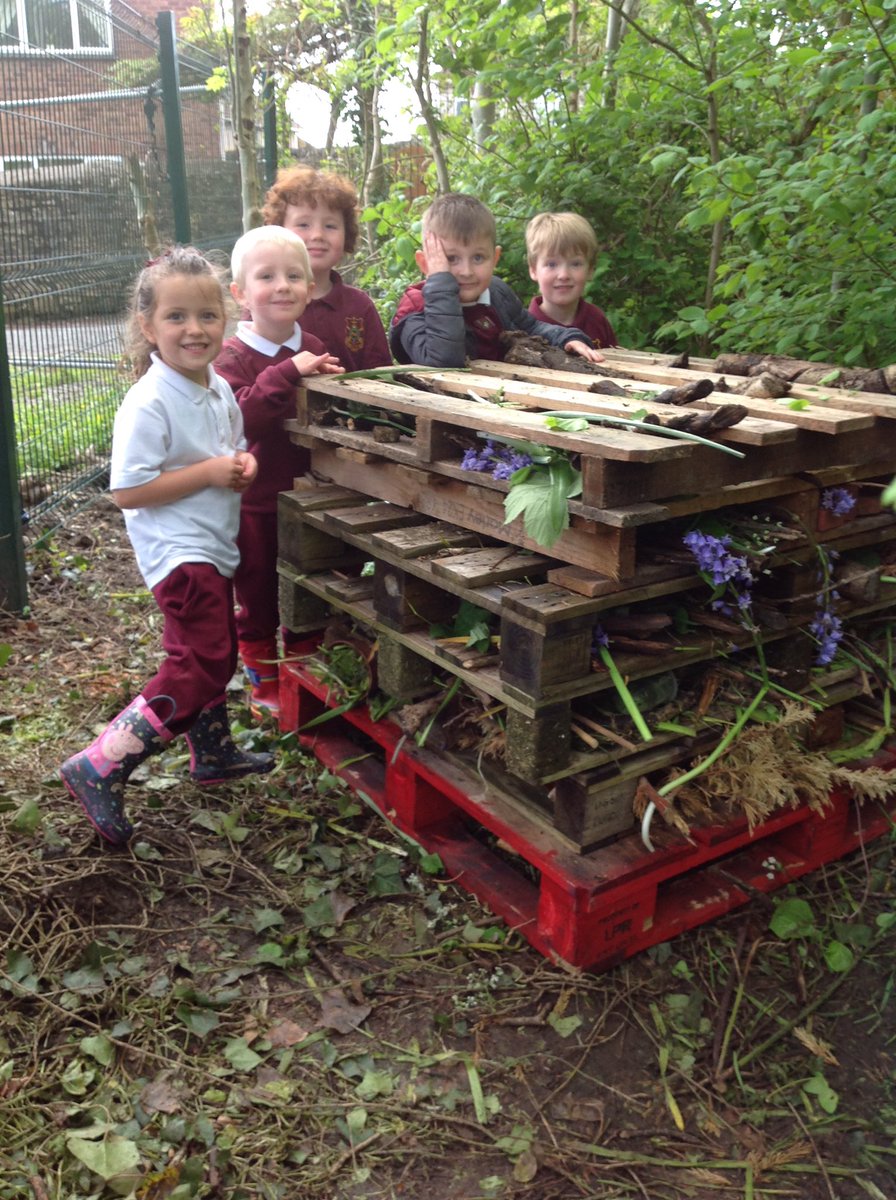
838 500
727 572
598 639
828 629
501 461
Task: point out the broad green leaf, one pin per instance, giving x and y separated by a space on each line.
791 919
98 1047
200 1021
564 1026
28 817
266 918
114 1155
240 1055
838 957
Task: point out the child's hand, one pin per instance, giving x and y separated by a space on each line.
225 471
248 470
317 364
584 350
434 257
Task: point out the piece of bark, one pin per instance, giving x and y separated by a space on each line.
606 387
686 393
530 350
797 370
709 421
767 386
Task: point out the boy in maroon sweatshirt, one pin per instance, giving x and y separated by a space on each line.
264 363
322 208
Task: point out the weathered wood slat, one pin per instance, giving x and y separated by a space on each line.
537 394
878 404
830 418
467 416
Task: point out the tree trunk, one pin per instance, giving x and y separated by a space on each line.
618 16
483 113
244 118
421 85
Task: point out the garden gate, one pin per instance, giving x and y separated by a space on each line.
107 132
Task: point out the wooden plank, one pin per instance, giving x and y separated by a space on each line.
493 564
417 540
880 404
487 418
611 551
370 517
577 398
820 417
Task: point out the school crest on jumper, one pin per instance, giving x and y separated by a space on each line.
354 333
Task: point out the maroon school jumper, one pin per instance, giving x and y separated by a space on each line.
265 388
347 323
589 318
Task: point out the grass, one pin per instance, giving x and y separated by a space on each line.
63 417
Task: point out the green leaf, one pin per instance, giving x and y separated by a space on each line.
791 919
819 1087
200 1021
564 1026
475 1082
114 1155
266 918
240 1055
838 957
98 1047
5 653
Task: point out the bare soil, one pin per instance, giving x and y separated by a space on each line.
267 995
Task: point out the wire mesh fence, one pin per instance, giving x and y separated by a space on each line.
85 199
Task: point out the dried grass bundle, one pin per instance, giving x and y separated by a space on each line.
767 769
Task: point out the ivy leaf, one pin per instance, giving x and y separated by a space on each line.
240 1055
114 1155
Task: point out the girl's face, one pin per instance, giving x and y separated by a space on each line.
187 324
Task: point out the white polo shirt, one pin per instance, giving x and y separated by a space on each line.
167 422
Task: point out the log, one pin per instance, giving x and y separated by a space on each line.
797 370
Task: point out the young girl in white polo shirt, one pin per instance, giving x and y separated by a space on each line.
179 465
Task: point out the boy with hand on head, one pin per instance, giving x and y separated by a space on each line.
264 364
461 308
562 251
322 208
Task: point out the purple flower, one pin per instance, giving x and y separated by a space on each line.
726 572
838 500
501 461
825 626
598 639
828 629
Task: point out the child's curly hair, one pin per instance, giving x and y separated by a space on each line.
303 184
176 260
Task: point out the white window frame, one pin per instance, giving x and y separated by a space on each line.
24 45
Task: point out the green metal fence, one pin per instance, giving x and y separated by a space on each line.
109 149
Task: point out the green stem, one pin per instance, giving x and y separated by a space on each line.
625 695
720 749
660 430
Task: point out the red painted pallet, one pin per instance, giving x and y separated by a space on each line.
590 911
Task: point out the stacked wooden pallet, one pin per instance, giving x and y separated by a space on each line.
435 535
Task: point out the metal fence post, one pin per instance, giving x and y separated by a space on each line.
13 585
174 133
